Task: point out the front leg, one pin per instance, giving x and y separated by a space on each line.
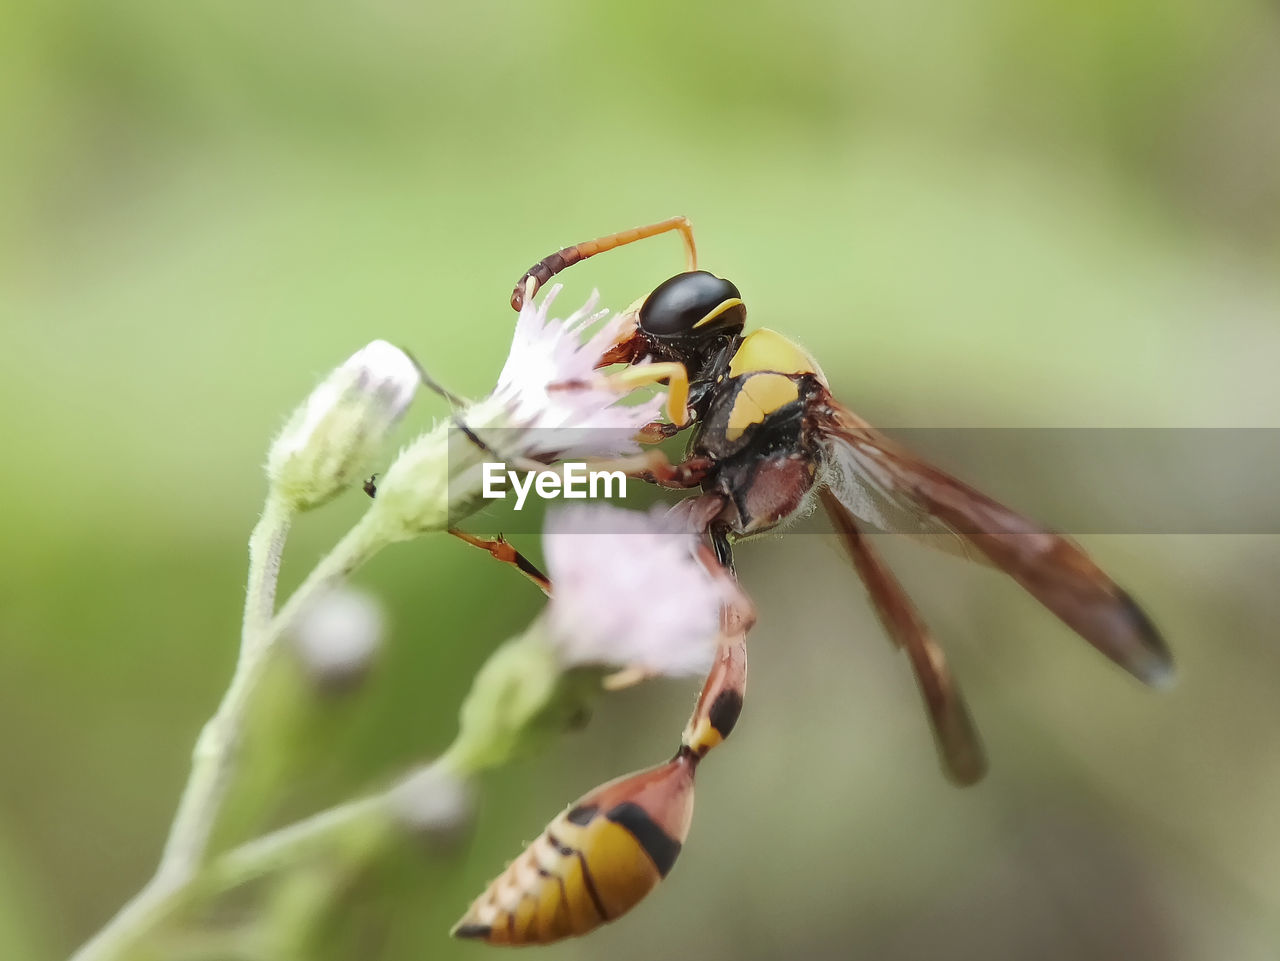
671 373
655 432
500 549
653 467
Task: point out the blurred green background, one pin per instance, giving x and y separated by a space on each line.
992 213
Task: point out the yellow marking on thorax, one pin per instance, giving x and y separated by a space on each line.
760 396
768 350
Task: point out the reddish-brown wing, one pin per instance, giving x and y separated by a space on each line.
959 747
1049 566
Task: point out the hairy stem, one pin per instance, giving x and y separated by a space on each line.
431 798
285 846
212 758
217 748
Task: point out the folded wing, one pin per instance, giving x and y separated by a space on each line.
890 488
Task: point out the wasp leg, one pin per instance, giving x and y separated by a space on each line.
626 380
653 467
656 432
959 747
436 387
549 266
500 549
724 550
677 378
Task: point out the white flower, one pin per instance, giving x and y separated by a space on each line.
333 439
629 590
550 392
550 403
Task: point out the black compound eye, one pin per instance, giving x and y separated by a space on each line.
677 305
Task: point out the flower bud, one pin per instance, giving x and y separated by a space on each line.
521 697
333 440
338 636
413 494
434 803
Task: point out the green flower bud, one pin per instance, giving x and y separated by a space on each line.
522 697
413 494
334 438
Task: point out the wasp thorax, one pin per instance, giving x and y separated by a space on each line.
694 303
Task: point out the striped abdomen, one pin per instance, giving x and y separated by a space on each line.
593 863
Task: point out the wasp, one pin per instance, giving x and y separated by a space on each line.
768 441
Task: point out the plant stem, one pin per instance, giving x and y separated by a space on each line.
216 750
212 758
280 848
361 822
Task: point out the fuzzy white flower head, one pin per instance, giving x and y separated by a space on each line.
630 591
551 393
435 802
550 403
338 636
333 439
